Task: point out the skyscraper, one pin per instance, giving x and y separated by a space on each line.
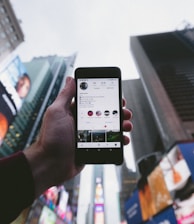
47 75
162 100
11 34
146 139
165 64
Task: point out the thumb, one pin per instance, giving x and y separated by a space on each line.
67 93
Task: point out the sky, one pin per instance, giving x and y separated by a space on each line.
98 30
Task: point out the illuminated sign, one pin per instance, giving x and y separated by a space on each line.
99 202
14 87
166 195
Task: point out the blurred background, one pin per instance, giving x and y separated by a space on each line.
43 42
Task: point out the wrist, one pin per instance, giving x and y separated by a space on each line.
41 167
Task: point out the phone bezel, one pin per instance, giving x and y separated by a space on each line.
99 155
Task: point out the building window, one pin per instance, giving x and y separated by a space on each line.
11 29
8 45
2 10
7 20
2 35
14 38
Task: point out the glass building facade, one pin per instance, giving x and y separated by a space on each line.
47 75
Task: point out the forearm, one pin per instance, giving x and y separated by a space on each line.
16 188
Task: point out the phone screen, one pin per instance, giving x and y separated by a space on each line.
98 113
98 128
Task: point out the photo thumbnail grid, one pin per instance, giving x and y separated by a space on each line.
98 136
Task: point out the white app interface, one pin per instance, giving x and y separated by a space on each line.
98 113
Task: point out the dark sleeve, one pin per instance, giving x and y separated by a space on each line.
16 186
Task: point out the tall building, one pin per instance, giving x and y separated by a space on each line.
165 62
162 101
11 34
47 75
145 134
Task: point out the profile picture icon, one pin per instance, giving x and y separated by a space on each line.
106 112
98 113
83 85
90 113
115 112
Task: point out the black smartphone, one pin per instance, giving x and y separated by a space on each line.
98 116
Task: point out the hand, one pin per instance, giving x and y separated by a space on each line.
127 124
51 157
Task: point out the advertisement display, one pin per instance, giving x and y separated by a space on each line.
175 170
47 216
165 217
99 202
153 190
56 198
144 191
167 193
15 85
133 209
187 152
184 195
159 192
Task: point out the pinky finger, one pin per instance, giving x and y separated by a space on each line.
126 140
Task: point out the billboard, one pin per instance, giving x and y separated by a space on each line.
99 202
167 193
133 209
165 217
14 87
184 192
47 216
59 200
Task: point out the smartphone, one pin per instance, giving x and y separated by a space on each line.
98 116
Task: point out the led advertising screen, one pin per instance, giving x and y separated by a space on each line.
56 198
133 209
165 217
99 202
59 200
167 193
47 216
14 87
184 192
153 189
